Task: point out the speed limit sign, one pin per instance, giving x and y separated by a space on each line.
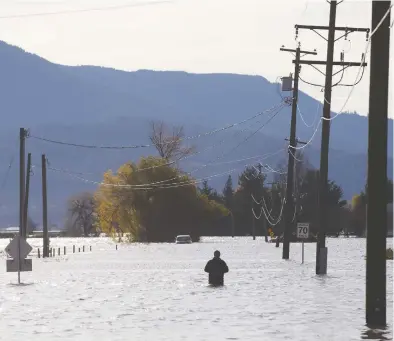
303 230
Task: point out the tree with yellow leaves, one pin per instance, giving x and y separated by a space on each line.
153 201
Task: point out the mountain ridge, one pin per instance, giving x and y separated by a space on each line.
105 106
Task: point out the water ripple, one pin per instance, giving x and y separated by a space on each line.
159 292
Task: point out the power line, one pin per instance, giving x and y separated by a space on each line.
95 9
151 186
197 152
339 82
156 184
212 132
237 146
261 157
362 61
223 155
12 158
314 119
170 163
163 182
147 186
353 86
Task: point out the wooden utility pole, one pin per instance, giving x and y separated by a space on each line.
253 223
26 197
321 249
265 220
377 167
288 212
232 224
253 215
22 137
265 229
44 207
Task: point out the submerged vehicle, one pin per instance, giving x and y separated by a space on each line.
183 239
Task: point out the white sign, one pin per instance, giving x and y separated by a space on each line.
303 230
24 248
26 265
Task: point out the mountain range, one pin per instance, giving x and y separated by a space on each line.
100 106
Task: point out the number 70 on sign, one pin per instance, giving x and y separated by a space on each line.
303 230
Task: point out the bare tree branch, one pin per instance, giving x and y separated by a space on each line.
169 145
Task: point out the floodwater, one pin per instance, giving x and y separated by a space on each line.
159 292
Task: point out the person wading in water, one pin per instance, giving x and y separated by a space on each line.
216 268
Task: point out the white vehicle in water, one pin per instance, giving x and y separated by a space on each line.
183 239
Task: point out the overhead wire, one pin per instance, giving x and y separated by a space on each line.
173 162
10 163
224 154
273 223
264 207
162 183
261 156
211 132
95 9
182 158
274 170
145 186
315 117
353 86
149 186
233 149
361 67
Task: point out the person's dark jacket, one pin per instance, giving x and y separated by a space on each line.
216 268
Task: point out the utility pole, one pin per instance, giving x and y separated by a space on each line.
321 249
232 224
296 194
265 220
253 217
45 252
22 137
377 167
290 171
26 201
253 224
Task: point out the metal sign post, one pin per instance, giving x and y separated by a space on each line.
19 260
303 233
18 249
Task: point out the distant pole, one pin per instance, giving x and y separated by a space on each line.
290 169
288 209
253 213
22 137
321 250
265 220
377 167
232 224
26 197
44 206
265 229
253 223
19 259
280 225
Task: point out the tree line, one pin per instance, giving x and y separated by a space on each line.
153 200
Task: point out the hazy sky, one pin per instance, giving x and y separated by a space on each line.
202 36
